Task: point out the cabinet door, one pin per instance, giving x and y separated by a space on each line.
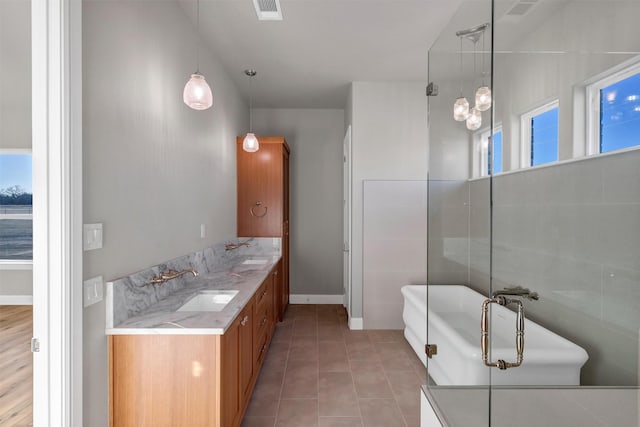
230 390
245 350
260 191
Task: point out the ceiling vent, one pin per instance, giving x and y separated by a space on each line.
521 7
268 10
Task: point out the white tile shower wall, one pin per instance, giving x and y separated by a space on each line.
394 248
571 232
448 232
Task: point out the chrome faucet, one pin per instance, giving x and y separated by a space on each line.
232 246
171 274
516 291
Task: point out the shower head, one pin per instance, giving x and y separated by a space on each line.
473 33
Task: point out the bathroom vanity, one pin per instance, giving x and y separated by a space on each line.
192 356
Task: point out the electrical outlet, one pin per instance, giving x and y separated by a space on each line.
93 291
202 231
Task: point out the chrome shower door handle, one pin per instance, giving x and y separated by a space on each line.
484 329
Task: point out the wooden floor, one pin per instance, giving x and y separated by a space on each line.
16 365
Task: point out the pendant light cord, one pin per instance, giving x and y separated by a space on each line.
250 102
461 75
482 63
198 37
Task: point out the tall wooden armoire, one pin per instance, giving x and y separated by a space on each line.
263 202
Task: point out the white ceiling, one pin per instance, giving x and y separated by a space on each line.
308 59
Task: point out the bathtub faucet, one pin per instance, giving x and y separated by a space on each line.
517 291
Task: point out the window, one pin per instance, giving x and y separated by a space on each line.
497 152
16 214
539 129
481 165
614 118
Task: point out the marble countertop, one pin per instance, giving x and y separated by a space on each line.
162 317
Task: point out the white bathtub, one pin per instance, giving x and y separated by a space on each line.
454 326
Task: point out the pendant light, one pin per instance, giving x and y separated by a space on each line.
197 93
461 106
474 121
483 94
250 143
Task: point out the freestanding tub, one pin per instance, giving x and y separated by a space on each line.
454 326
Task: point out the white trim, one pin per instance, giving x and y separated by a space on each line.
16 299
525 130
563 162
316 299
26 264
480 157
356 323
16 151
57 168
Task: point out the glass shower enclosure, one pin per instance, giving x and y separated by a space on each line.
533 302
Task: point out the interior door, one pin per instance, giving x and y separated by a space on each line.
346 210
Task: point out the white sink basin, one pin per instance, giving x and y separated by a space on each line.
256 261
209 301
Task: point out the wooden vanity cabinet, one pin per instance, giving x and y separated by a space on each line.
263 198
191 380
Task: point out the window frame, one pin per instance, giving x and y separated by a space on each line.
18 264
480 158
525 130
593 89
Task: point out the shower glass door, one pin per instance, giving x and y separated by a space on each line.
534 215
566 209
459 219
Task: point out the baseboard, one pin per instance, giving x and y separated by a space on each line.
356 323
316 299
16 299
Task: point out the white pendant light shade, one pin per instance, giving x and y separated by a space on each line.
197 93
483 98
250 143
461 109
474 121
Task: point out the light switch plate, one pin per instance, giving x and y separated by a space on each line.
92 237
93 291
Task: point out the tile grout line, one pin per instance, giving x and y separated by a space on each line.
395 398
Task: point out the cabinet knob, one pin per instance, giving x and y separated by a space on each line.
244 321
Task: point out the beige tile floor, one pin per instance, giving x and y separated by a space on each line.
320 373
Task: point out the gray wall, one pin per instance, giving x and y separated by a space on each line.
315 137
15 74
390 142
15 105
154 170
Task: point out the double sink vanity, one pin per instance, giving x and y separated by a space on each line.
186 349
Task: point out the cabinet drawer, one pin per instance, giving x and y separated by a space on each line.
262 321
260 350
263 296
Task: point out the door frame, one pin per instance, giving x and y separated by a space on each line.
346 228
56 38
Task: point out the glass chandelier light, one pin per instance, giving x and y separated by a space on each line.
461 110
474 121
461 106
483 94
250 142
197 93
